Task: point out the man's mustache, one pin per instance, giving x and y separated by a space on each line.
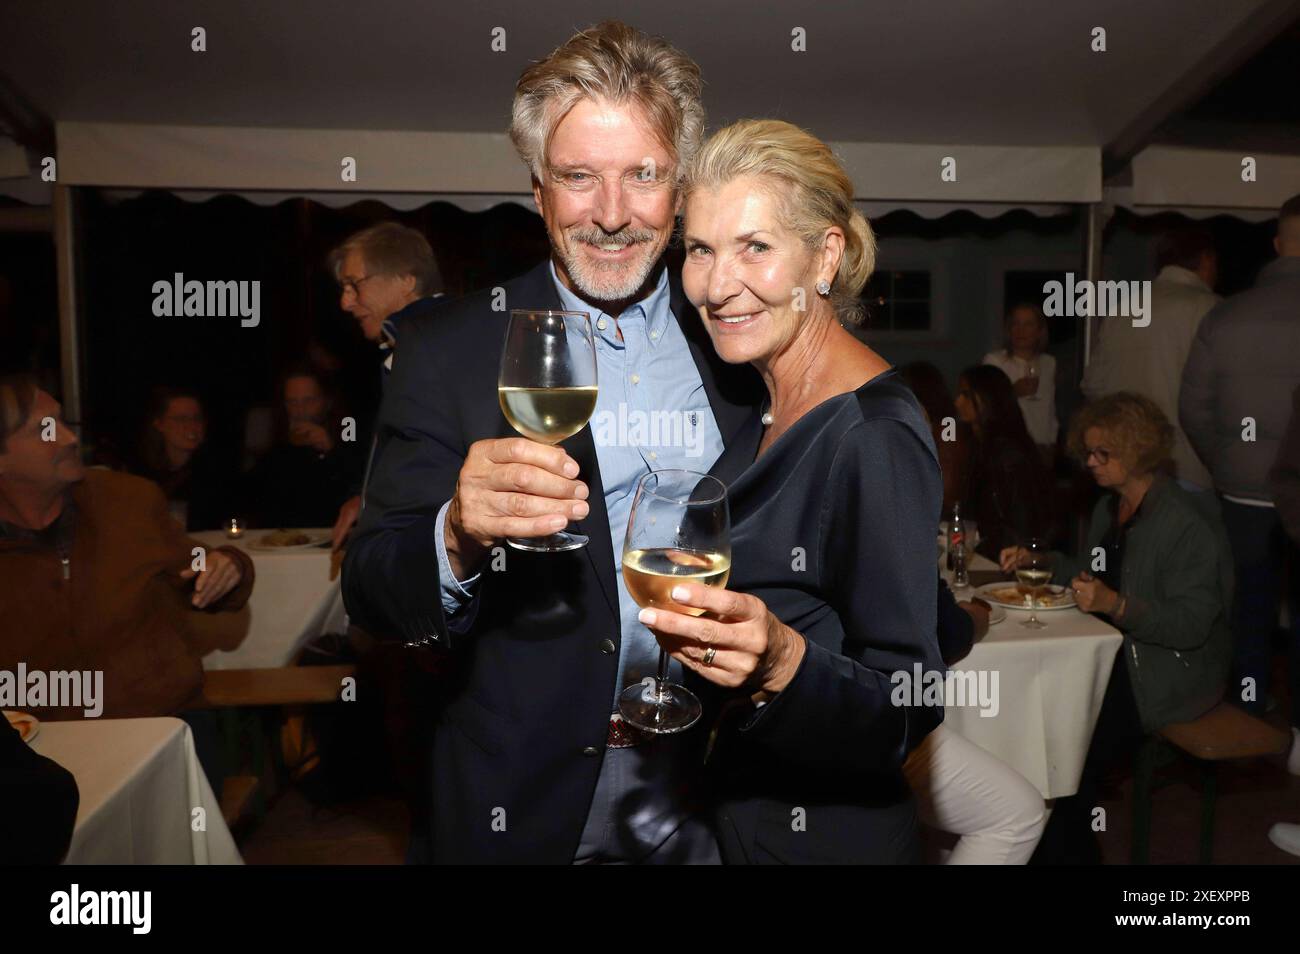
621 237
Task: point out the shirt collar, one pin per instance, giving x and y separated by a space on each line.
654 307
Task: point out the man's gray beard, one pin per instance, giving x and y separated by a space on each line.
595 281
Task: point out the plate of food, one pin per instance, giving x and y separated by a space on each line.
283 539
1014 596
27 725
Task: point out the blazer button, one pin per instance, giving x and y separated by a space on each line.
607 647
591 750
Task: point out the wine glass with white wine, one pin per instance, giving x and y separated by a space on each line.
547 389
679 532
1033 572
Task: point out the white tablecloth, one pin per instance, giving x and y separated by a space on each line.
140 782
293 602
1051 683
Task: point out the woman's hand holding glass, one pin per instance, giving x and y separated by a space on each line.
751 647
510 487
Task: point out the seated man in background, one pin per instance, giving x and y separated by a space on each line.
304 479
96 576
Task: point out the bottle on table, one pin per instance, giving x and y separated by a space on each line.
957 549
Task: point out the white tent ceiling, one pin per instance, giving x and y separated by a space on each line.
415 91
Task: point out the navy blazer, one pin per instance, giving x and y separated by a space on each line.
518 745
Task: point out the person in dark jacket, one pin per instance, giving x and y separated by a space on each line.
1233 403
1284 482
306 477
1009 494
38 804
387 275
1156 564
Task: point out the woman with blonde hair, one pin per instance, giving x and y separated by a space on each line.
835 493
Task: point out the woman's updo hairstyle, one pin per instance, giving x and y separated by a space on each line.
811 187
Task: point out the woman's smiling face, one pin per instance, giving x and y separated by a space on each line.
751 278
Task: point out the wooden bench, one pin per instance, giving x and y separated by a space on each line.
232 690
1223 734
289 686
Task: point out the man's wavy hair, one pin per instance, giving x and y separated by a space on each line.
616 62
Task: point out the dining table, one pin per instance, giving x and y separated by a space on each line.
1044 687
294 599
144 799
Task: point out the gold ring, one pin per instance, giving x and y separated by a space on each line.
708 656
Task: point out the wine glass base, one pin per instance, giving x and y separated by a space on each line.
1033 623
555 543
661 711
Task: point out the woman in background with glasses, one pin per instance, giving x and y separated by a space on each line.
1156 565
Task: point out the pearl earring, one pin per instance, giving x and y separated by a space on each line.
823 287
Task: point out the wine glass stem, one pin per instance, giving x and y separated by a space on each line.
662 680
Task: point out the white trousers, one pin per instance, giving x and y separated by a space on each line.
963 790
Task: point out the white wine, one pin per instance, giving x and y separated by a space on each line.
1033 577
651 575
548 415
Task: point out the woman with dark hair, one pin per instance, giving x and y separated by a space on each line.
952 437
173 453
304 479
1009 494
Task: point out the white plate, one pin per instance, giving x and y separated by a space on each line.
27 725
996 614
315 539
986 593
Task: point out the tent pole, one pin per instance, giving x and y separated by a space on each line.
65 230
1094 224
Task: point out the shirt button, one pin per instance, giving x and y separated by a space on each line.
591 750
602 324
636 379
607 647
654 334
654 456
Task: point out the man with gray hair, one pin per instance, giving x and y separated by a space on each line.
531 762
387 275
1234 405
